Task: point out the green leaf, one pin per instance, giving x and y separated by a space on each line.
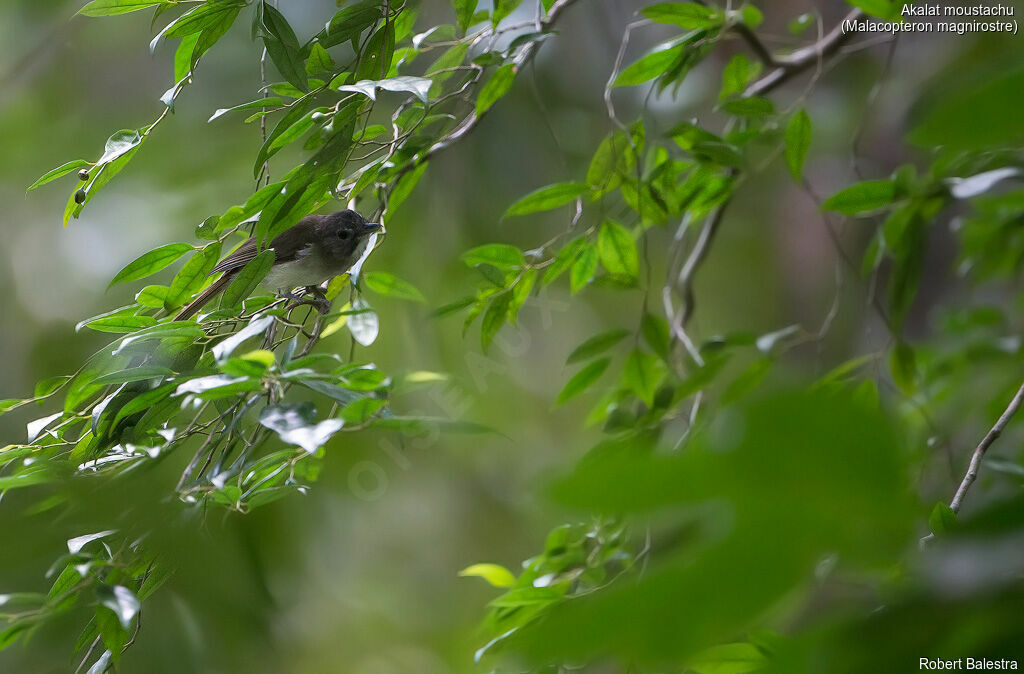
886 10
862 197
283 46
496 87
686 15
617 250
798 142
546 198
739 72
464 10
48 386
150 263
405 186
737 658
564 259
121 601
583 268
140 373
112 7
143 402
246 280
297 114
500 255
942 519
647 67
502 8
497 576
614 160
183 56
440 70
656 333
391 286
903 367
495 317
120 323
582 380
58 172
196 20
642 374
350 22
375 58
801 23
192 276
320 62
209 36
596 345
749 106
982 114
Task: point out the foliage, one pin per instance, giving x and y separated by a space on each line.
722 501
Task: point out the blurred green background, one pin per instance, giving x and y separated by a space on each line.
360 573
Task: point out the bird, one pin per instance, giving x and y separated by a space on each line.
315 249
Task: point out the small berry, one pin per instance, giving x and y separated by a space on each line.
83 175
80 197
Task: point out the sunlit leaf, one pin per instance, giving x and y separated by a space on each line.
296 424
151 262
58 172
112 7
546 199
495 574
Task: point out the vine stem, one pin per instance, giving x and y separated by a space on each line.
471 121
786 68
986 442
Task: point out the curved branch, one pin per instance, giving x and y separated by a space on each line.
802 59
986 442
470 122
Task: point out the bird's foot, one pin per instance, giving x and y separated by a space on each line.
318 299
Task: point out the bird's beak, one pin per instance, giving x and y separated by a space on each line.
371 227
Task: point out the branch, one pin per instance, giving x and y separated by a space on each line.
787 68
979 452
800 60
470 122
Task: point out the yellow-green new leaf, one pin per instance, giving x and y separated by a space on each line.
496 575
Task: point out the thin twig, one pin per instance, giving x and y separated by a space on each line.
979 452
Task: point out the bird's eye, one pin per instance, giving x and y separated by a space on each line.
344 234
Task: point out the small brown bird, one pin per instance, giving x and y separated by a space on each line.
317 248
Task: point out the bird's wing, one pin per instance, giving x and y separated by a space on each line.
287 246
242 256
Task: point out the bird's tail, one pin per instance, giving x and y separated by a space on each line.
193 307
